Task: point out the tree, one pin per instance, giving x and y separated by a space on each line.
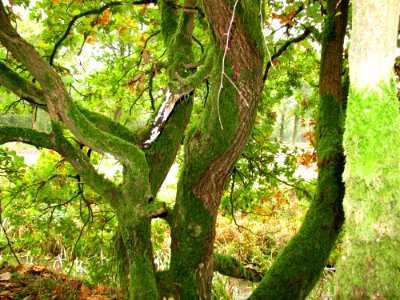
233 65
370 266
298 267
229 114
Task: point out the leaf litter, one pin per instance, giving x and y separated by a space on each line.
29 282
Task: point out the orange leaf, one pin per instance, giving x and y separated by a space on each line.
91 39
121 30
303 103
57 1
100 289
85 292
105 19
291 14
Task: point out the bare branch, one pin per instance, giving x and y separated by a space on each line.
282 49
96 11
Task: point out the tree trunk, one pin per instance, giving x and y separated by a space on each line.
371 261
282 127
214 146
298 267
295 129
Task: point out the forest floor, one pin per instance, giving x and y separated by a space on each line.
39 282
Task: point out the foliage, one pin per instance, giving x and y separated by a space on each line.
63 224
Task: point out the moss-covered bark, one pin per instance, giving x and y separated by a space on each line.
231 267
371 262
298 267
370 269
214 146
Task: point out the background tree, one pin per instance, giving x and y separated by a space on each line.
370 266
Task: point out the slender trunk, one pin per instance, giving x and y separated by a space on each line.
34 119
298 267
282 127
295 129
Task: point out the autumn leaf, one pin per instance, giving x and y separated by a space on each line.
122 30
5 276
291 14
303 103
100 289
85 292
105 19
91 39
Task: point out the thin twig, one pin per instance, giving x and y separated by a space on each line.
8 240
265 39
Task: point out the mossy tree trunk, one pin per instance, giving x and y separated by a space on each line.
144 168
216 143
298 267
371 261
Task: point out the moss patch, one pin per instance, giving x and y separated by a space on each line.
371 266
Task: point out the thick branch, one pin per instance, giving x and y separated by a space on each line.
73 155
20 86
31 93
58 100
282 49
229 266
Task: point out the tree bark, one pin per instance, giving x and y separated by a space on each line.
371 261
298 267
214 146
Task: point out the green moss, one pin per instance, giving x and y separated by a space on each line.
49 80
169 22
109 126
191 230
161 154
329 130
136 238
231 267
219 124
19 85
249 11
371 203
127 153
372 132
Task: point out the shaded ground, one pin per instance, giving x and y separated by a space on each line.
39 282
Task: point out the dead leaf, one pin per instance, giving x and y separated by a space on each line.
85 292
96 297
5 276
38 268
100 289
5 295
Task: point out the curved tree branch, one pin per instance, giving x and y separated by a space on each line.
21 87
95 11
59 103
282 49
57 142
